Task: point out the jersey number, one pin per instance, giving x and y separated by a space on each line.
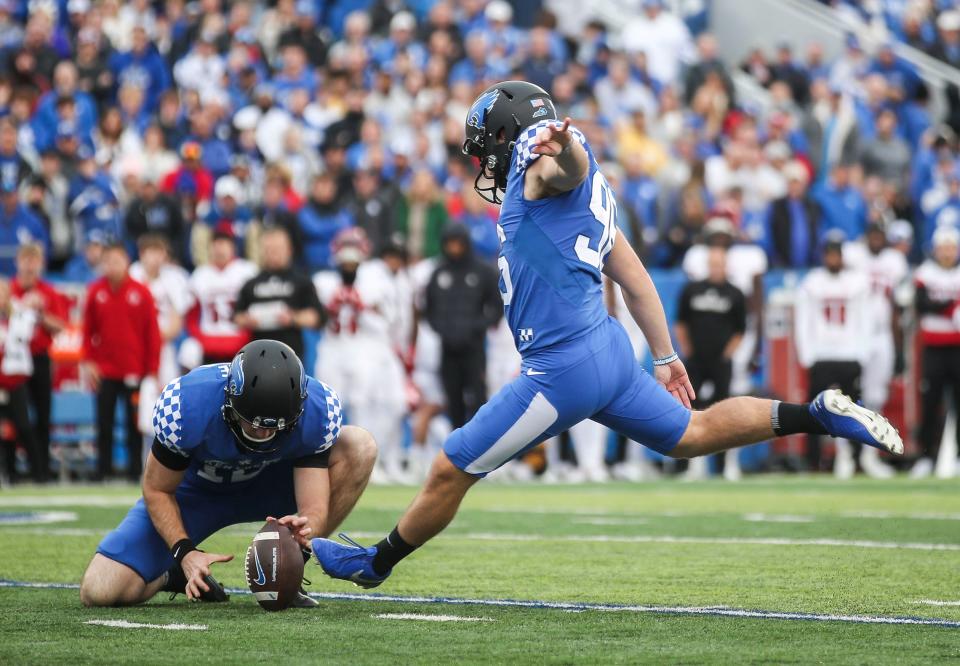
506 284
604 208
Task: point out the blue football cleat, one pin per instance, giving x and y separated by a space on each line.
352 562
842 417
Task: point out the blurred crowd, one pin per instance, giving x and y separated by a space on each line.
257 168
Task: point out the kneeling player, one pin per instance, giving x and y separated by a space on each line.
234 443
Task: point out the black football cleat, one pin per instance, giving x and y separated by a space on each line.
302 600
216 593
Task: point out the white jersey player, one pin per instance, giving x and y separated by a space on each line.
170 286
357 352
833 320
215 287
886 269
429 425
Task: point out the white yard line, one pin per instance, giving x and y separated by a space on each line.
69 500
776 518
123 624
593 538
934 602
609 521
36 517
430 618
732 541
710 611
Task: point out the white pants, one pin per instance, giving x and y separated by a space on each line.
369 377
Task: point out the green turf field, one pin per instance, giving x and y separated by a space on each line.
770 545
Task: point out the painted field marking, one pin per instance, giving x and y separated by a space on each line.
123 624
577 607
430 618
69 500
593 538
36 517
776 518
599 520
934 602
911 515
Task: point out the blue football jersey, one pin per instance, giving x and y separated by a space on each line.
552 253
187 421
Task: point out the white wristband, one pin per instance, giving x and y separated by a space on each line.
666 360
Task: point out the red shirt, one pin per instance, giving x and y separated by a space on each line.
120 332
54 303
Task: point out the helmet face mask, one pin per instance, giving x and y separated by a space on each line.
492 126
266 390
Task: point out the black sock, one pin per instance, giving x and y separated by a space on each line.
176 580
788 418
390 551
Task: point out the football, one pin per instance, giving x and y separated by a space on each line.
274 566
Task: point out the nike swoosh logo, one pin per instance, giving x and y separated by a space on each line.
262 577
531 372
358 578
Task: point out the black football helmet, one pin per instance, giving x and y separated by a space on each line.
493 124
267 388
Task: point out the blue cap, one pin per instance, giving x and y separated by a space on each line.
95 236
67 129
305 8
652 3
852 41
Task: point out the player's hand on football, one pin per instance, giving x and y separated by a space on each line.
552 139
299 526
674 378
196 565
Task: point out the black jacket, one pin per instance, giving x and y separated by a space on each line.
463 301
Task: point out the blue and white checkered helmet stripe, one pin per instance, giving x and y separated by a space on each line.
334 418
168 419
525 142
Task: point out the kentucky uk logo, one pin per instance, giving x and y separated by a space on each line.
480 109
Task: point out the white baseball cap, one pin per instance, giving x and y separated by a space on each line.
946 235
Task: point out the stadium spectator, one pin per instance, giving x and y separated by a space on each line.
92 198
937 283
830 128
215 287
373 208
787 70
17 326
831 321
154 212
886 155
663 37
947 46
794 223
462 302
18 225
422 216
85 267
711 321
50 313
121 347
321 219
708 64
280 302
841 204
